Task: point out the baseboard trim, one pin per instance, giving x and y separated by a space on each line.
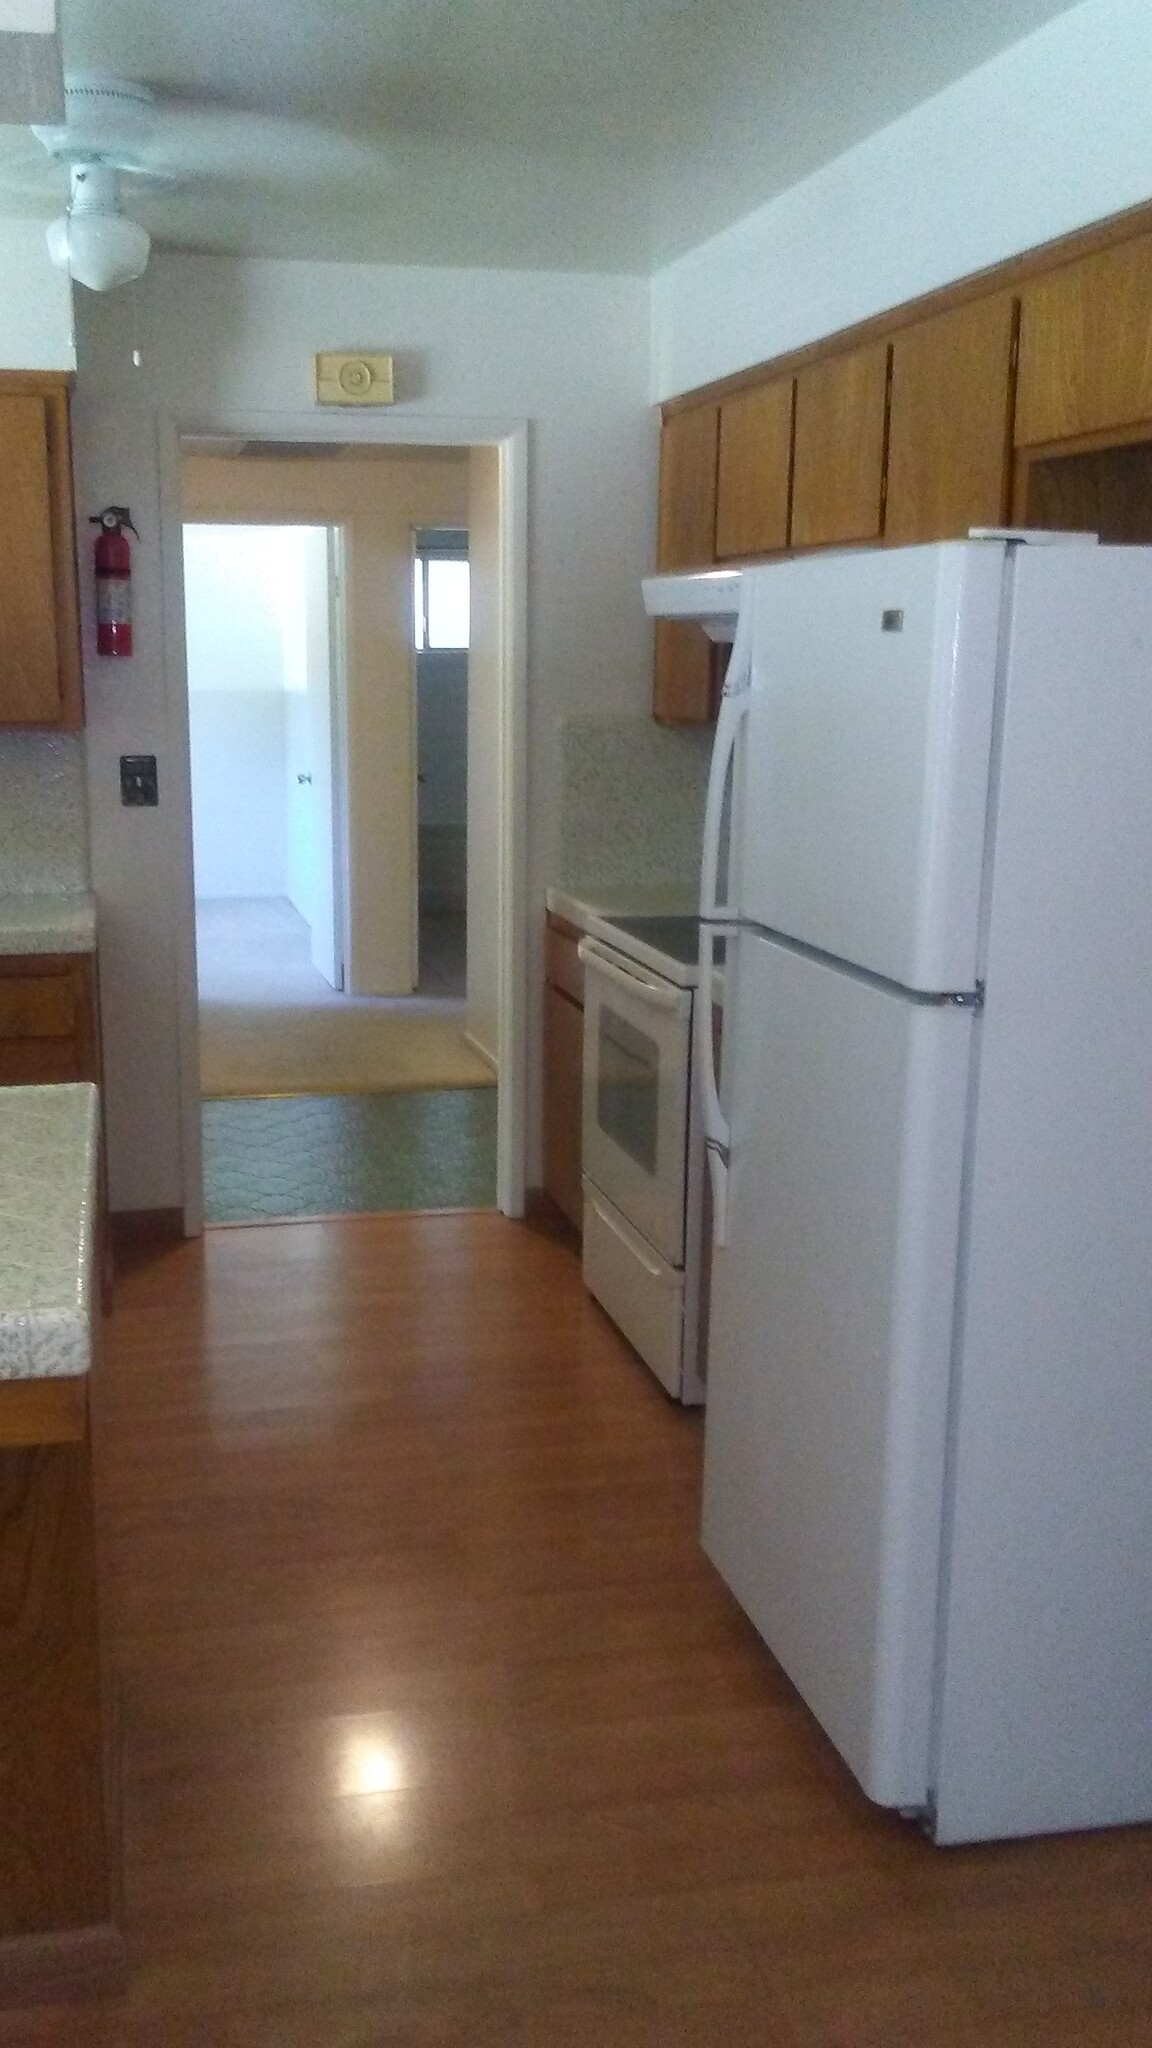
140 1233
74 1963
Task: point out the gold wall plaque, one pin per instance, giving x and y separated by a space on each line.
353 380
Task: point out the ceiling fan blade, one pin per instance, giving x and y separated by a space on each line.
237 147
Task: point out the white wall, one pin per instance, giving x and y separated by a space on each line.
566 353
35 304
1052 134
238 584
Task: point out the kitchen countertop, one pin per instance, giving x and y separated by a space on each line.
48 1139
48 923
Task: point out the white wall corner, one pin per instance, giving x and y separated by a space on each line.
37 331
1046 137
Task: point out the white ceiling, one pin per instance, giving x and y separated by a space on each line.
541 134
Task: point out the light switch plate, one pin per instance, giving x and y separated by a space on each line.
354 380
139 787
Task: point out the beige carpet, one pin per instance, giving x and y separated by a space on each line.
262 1049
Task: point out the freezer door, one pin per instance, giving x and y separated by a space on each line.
829 1347
866 756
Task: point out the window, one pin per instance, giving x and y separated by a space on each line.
440 589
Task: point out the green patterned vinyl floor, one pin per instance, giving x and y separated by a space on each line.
327 1155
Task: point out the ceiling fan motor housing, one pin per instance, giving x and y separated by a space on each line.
106 119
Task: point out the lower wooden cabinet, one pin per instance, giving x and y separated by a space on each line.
48 1019
57 1862
563 1070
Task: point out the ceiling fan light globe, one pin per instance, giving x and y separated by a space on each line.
105 249
56 236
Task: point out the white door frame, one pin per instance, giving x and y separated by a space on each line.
510 437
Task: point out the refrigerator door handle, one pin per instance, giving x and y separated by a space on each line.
733 711
715 1123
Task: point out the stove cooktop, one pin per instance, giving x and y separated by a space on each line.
678 937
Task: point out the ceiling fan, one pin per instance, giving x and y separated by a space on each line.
105 123
120 139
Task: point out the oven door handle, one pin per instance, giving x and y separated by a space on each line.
658 995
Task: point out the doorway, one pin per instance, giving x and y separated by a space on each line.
441 618
322 1095
498 739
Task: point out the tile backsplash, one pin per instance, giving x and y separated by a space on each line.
43 813
631 804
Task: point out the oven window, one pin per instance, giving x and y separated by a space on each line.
628 1088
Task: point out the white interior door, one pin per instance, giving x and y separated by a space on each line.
830 1342
313 810
327 947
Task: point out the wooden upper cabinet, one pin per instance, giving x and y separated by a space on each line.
40 675
682 686
688 673
687 520
754 470
838 468
950 423
1086 346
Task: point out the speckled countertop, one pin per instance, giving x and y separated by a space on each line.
47 1225
48 922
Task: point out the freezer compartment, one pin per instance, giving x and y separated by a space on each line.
830 1342
866 757
643 1294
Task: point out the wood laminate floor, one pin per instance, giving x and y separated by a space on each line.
439 1729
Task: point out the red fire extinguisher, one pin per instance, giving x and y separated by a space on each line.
113 563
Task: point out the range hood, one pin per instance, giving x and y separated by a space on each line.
710 596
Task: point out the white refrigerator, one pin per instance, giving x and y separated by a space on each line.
928 1434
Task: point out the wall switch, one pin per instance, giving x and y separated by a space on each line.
138 784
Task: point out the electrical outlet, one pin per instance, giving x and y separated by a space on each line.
138 783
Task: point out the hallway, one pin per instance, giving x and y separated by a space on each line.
439 1729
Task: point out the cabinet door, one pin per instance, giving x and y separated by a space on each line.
1086 346
688 674
950 423
39 629
687 523
754 472
48 1028
838 477
563 1102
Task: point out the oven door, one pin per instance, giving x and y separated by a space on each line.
637 1055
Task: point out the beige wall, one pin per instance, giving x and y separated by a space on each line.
377 499
485 777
